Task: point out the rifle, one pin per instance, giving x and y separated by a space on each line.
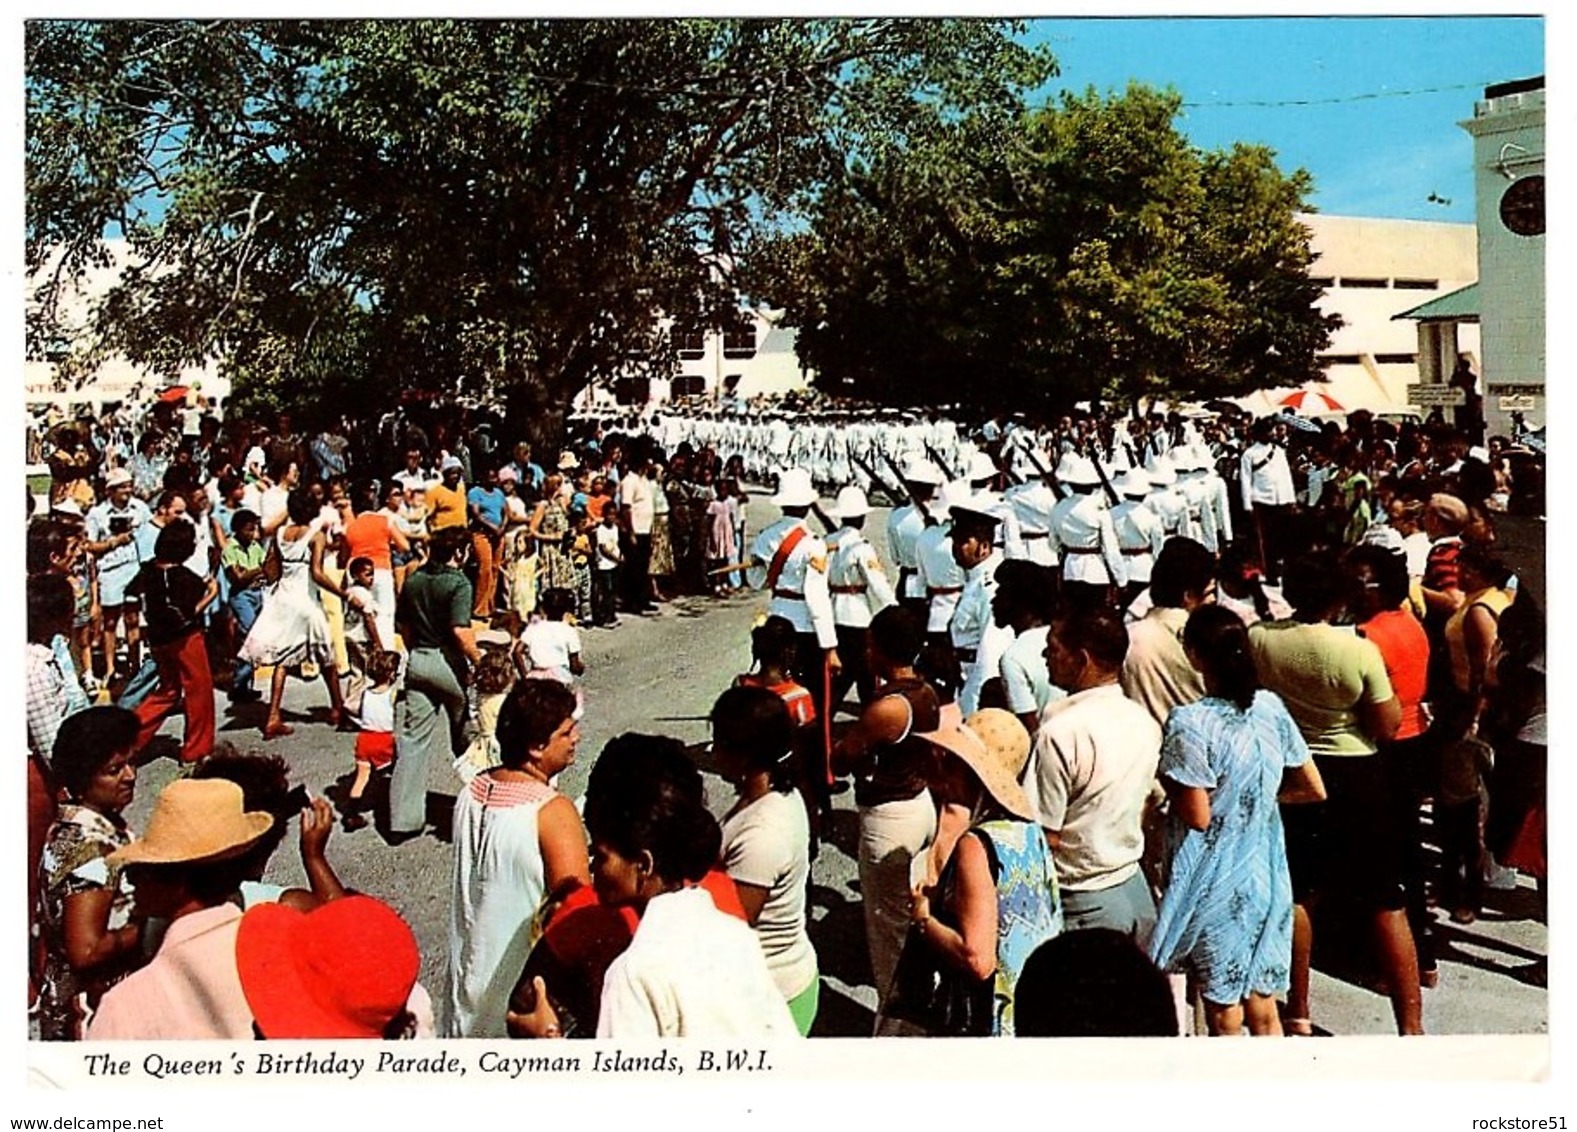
1100 470
1056 488
936 459
870 473
815 509
925 512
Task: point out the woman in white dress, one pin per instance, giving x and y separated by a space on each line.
518 844
293 630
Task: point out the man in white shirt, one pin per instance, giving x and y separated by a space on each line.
1265 479
1090 776
636 513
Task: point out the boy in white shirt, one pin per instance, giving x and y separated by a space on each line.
605 568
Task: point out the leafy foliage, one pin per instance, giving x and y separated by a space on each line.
460 205
1083 250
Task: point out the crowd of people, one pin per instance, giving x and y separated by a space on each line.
1138 704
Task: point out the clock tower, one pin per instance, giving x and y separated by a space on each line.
1508 156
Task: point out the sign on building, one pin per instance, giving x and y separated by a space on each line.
1517 402
1435 396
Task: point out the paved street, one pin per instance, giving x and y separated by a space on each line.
660 673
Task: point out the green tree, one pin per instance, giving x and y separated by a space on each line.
1086 250
509 204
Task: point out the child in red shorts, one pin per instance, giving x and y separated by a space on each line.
375 740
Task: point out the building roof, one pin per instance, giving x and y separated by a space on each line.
1460 305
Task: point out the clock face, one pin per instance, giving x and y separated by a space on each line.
1522 206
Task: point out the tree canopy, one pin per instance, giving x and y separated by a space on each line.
1084 250
477 206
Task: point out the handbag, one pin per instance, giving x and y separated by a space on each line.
931 993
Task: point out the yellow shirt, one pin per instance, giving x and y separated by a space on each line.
1322 673
1492 599
445 508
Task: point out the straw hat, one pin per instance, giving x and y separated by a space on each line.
343 970
995 746
196 820
795 489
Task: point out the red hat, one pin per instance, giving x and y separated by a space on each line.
343 970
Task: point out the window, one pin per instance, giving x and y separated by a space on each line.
1356 281
687 385
1417 284
1396 359
1324 281
689 342
632 390
1338 359
739 338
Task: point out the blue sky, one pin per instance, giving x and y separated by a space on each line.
1373 150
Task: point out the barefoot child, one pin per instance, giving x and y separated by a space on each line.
375 740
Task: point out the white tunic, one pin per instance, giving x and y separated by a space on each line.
855 579
904 526
1083 536
1032 505
976 637
943 578
800 590
1140 534
1265 477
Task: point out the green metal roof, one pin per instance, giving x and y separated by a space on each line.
1460 305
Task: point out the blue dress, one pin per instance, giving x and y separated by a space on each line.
1226 915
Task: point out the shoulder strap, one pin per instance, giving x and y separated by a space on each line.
781 557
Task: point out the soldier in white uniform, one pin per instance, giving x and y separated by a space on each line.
982 473
1032 503
904 526
1083 536
1208 523
1165 499
978 641
1265 479
1139 531
791 561
944 583
859 589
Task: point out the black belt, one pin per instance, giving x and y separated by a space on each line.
1036 534
788 595
1081 549
943 591
966 656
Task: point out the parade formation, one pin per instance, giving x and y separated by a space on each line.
1065 661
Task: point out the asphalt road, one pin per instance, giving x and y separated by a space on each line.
661 674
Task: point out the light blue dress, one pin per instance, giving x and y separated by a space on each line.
1227 912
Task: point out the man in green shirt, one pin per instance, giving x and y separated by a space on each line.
434 619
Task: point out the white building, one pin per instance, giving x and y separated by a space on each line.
1373 271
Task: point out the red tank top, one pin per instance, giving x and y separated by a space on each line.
367 536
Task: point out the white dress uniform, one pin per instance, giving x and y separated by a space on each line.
942 578
977 640
1032 504
859 586
904 527
800 591
1083 536
1265 477
1166 500
1140 535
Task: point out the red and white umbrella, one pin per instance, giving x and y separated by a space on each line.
1311 401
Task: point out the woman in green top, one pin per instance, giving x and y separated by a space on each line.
1335 686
